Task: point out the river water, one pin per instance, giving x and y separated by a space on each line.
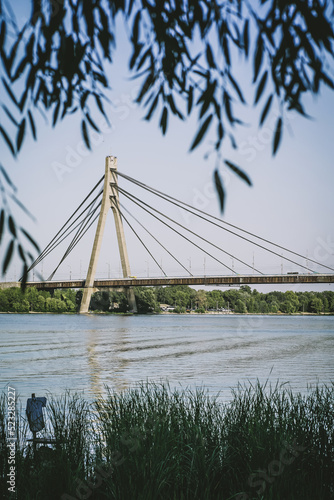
44 353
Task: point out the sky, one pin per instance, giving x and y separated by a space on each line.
291 201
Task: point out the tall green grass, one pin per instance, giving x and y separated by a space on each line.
154 442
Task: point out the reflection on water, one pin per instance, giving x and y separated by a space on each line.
94 365
41 353
113 360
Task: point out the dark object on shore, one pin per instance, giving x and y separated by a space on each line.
34 411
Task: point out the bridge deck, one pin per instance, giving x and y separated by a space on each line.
194 280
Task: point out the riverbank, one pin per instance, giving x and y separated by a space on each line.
192 313
153 442
177 299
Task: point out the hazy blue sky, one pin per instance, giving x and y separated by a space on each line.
291 201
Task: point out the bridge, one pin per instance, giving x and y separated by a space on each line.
105 196
238 280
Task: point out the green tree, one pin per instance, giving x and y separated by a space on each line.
316 305
68 297
240 307
231 297
160 295
101 301
329 295
179 310
251 305
175 295
325 304
291 303
181 299
32 296
4 302
273 307
78 298
184 54
304 301
215 299
14 296
55 305
40 305
263 307
146 301
201 300
20 307
122 300
69 294
275 296
287 307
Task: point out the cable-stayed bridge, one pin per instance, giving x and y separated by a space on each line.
237 280
106 194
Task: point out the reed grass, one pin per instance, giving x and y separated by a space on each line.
154 442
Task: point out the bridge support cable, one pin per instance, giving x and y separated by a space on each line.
140 203
195 234
155 239
63 231
139 238
192 210
63 237
61 234
84 227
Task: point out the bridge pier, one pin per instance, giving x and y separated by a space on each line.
114 200
86 296
110 199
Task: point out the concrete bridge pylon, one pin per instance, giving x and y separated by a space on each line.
110 199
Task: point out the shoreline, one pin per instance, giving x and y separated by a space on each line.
164 313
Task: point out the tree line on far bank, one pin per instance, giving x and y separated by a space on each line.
180 298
